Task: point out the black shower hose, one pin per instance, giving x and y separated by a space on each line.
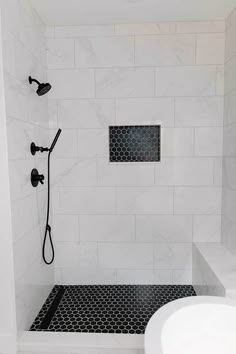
48 227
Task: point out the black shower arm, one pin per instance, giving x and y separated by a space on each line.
33 80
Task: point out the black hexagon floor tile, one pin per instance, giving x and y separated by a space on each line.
134 143
105 308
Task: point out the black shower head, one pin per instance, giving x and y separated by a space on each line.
42 88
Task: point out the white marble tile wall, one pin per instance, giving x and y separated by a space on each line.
135 223
27 121
229 138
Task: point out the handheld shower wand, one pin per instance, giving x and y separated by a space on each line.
48 228
55 140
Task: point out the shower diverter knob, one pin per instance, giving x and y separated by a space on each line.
36 178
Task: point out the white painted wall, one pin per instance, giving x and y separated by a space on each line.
135 223
27 121
229 159
7 303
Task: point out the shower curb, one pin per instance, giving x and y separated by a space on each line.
62 342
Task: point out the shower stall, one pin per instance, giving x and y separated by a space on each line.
138 195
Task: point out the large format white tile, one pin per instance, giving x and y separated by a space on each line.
24 62
125 255
83 31
49 31
164 228
173 256
108 228
88 276
182 277
165 50
24 216
208 141
177 142
163 276
19 93
67 254
93 143
185 171
230 75
145 111
8 54
200 27
230 108
26 252
229 203
229 141
207 228
24 54
60 53
65 228
88 113
213 53
112 174
220 80
88 254
145 200
185 81
104 51
71 83
74 172
227 234
135 29
20 178
52 114
218 171
230 48
197 200
125 82
199 111
229 172
135 276
94 200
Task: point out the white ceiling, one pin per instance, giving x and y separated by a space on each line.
73 12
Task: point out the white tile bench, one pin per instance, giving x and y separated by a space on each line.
214 270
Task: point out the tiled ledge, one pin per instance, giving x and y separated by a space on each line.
76 343
214 270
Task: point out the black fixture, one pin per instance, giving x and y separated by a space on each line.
34 149
36 178
42 88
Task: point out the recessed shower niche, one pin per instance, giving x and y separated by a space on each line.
136 143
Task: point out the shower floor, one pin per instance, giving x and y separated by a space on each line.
105 308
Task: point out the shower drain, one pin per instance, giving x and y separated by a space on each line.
105 308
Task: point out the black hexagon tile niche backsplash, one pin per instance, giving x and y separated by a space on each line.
135 143
105 308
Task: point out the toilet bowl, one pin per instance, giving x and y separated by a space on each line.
193 325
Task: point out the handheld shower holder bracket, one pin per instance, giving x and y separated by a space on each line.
34 148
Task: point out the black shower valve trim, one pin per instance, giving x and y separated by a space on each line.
36 178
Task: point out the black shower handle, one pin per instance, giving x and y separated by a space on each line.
41 179
36 178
